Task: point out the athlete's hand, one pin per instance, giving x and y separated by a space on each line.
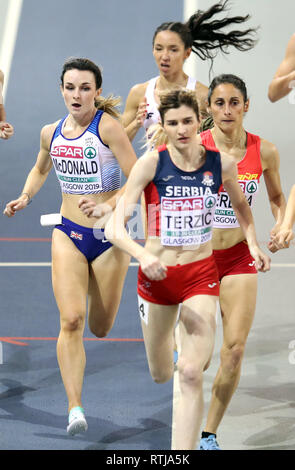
272 246
91 209
6 130
141 112
14 206
283 238
152 267
262 261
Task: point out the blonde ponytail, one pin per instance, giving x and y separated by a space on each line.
109 105
155 136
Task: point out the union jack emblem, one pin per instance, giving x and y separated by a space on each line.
76 235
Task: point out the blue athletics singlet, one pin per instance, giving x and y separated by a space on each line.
180 205
84 165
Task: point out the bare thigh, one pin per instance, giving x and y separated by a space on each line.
69 278
237 303
106 281
158 332
197 325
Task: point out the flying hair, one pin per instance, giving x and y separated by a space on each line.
206 35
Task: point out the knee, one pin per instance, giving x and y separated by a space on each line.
72 323
161 376
101 321
101 329
232 356
190 374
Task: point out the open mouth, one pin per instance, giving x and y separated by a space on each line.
76 105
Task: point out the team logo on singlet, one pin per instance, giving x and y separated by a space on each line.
90 152
252 187
210 202
208 178
67 151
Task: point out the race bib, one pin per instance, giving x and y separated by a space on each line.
187 221
225 216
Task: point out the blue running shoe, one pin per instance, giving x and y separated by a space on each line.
209 443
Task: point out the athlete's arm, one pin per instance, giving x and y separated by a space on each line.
6 129
135 110
141 174
270 164
242 211
37 176
281 84
285 233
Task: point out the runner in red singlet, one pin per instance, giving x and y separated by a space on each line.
228 102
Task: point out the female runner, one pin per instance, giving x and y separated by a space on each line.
254 156
87 149
173 42
180 183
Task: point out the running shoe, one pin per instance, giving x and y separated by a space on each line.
77 421
209 443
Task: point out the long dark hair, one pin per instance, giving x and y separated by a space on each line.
108 104
206 37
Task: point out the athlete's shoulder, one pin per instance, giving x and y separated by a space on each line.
145 168
148 161
150 157
268 149
228 162
110 127
47 132
138 90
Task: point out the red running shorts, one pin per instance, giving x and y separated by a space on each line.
182 282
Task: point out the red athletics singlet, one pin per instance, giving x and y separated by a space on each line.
249 172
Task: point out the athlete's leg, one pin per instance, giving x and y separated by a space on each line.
158 322
237 304
197 324
70 285
106 280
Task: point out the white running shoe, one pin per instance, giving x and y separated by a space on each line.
77 421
